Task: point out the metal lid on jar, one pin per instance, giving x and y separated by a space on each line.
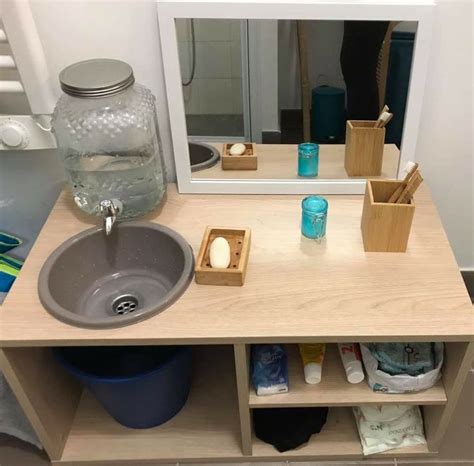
99 77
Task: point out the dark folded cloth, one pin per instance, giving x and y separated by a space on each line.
288 428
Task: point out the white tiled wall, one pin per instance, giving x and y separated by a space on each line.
217 84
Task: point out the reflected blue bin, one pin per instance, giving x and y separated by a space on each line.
139 386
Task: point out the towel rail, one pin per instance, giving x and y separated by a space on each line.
11 86
6 61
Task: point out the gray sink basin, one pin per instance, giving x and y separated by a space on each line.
99 281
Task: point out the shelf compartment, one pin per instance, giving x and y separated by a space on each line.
335 390
338 439
207 427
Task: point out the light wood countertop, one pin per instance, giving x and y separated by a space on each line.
280 162
295 290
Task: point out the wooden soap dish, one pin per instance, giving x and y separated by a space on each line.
246 161
234 275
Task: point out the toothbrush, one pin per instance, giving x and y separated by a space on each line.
383 119
410 169
385 109
410 188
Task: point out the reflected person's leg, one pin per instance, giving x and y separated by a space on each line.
359 56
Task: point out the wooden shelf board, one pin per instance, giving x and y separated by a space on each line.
295 289
338 439
280 162
334 390
207 427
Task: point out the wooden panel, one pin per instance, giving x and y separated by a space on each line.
338 439
280 161
334 390
458 361
206 428
242 368
364 148
296 290
48 396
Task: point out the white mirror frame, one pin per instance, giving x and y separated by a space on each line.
420 11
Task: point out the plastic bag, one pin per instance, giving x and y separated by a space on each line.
383 428
381 381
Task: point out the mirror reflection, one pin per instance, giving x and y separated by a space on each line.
256 89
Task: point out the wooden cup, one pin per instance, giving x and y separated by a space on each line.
364 148
385 226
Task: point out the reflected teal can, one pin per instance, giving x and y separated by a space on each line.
308 159
314 216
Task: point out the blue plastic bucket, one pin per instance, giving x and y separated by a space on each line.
139 386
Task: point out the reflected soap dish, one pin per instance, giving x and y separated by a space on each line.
234 275
246 161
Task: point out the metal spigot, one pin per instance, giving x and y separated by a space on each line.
109 210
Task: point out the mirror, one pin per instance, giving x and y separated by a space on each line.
279 83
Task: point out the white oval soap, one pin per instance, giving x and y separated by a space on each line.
219 253
237 149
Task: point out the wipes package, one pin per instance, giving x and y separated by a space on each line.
383 428
269 369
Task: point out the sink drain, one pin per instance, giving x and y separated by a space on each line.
125 304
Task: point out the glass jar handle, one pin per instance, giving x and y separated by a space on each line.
318 223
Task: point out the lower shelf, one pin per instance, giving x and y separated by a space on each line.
206 430
339 439
207 427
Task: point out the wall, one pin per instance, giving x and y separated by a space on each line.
263 77
324 39
217 85
128 30
445 144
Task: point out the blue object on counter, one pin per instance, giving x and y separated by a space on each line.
314 217
139 386
308 159
9 268
328 114
8 242
8 275
269 369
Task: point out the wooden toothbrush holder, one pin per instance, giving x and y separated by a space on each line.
364 148
385 226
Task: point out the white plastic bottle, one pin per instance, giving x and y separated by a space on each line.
352 360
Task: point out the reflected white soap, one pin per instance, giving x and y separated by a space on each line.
219 253
237 149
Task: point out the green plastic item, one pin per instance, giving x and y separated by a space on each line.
11 261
